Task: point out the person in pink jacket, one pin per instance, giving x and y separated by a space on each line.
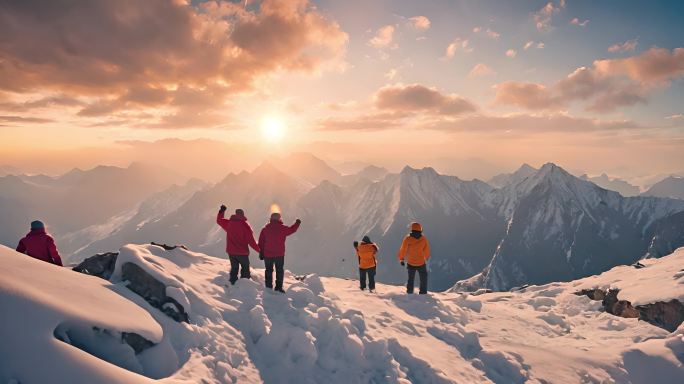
272 244
239 237
39 245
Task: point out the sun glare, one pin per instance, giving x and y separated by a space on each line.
272 129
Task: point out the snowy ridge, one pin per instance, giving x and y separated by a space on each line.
326 330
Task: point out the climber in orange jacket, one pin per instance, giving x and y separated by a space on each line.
366 252
415 250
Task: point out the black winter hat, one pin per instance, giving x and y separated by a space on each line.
366 239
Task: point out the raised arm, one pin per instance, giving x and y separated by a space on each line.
54 253
220 218
293 228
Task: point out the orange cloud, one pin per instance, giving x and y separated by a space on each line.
655 66
609 84
128 54
421 23
383 37
419 98
627 46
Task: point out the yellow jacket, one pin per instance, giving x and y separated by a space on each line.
415 251
366 253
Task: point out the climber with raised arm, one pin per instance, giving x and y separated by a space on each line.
272 245
239 237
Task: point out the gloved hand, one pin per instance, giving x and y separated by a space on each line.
356 244
223 208
298 221
402 263
261 255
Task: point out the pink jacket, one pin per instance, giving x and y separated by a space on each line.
39 245
272 238
239 235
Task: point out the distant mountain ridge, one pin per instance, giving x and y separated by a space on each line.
671 186
538 225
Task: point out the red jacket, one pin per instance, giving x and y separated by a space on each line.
39 245
272 238
239 235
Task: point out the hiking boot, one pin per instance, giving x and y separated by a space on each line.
279 290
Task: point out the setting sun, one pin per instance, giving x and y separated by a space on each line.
272 129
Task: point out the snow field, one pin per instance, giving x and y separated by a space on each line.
327 330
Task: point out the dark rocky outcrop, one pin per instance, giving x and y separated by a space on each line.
137 342
617 307
100 265
153 291
667 315
169 247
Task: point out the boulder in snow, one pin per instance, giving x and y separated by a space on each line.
153 291
100 265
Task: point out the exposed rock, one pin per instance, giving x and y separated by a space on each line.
169 247
638 265
137 342
100 265
614 306
594 294
153 291
481 291
668 315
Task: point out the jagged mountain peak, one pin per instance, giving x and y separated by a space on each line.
409 171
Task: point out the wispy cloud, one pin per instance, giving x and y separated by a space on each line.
480 70
579 23
542 18
458 45
512 53
627 46
420 23
383 37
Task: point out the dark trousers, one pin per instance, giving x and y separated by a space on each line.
238 262
278 262
422 272
371 277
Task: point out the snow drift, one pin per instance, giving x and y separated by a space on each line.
325 329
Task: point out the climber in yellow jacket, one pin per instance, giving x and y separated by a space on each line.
366 252
415 251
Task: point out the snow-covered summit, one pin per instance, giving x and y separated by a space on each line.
324 329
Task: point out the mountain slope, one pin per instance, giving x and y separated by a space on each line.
671 186
519 175
77 199
562 228
326 330
623 187
463 233
194 221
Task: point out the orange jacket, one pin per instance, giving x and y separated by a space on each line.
416 251
366 253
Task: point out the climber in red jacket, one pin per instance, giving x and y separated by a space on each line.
39 245
272 244
239 237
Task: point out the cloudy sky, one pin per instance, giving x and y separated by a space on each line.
469 87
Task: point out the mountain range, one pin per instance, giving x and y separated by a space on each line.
529 227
